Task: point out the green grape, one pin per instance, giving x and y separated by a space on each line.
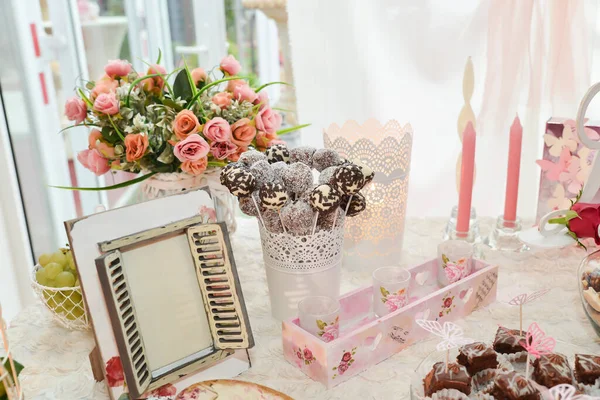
54 300
76 297
59 257
40 277
75 313
77 282
51 282
65 279
44 259
71 264
52 270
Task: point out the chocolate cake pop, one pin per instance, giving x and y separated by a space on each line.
278 168
241 183
303 154
324 198
324 158
367 171
273 196
358 204
348 179
263 172
247 205
272 221
230 168
250 157
325 221
297 177
327 175
298 217
278 152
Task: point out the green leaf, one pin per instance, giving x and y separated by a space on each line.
159 56
190 79
205 88
171 103
124 396
445 259
321 324
134 84
8 368
116 129
182 87
76 126
110 135
384 291
383 300
216 164
292 129
334 368
117 186
269 84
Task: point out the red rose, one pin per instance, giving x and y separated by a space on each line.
448 302
342 368
587 222
441 314
299 354
164 391
308 354
346 357
114 372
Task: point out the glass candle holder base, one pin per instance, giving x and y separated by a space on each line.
503 236
473 236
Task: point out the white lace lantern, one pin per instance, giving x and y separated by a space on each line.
374 237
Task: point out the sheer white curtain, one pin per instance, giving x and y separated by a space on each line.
404 60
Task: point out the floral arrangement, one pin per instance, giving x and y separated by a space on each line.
582 221
146 123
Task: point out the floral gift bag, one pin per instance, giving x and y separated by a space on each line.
565 164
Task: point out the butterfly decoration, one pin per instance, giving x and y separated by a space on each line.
559 201
525 298
556 145
567 392
585 163
572 124
570 176
452 335
554 169
536 344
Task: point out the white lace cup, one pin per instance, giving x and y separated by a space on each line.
454 261
320 316
390 289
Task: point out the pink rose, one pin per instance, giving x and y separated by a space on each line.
104 85
184 124
198 75
244 93
343 367
116 68
308 355
75 110
217 130
231 85
268 120
347 356
331 332
236 156
262 99
94 161
448 302
193 148
107 103
158 81
230 66
223 99
222 150
243 132
299 354
453 272
95 142
95 135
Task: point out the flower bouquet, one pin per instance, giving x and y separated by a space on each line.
582 221
184 121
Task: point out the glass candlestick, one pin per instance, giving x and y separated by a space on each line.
473 236
503 236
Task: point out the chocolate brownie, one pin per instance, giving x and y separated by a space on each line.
476 357
552 369
455 378
507 341
587 368
513 386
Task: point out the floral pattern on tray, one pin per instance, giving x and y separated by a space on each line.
455 270
447 305
305 355
346 362
393 301
330 331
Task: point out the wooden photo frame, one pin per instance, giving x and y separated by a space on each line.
163 294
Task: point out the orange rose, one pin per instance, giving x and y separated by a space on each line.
135 146
242 132
195 167
185 123
236 156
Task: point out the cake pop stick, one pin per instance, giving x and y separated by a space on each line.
272 197
452 335
258 211
324 198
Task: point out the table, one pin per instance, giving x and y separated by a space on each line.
57 364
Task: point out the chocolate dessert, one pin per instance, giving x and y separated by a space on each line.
587 368
513 386
455 377
507 341
552 369
476 357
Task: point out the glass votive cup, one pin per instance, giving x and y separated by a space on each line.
454 261
390 289
320 315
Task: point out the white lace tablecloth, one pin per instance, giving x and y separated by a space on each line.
56 360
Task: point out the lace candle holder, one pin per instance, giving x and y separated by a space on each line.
374 237
301 266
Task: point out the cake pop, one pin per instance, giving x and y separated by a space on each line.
272 221
303 154
250 157
324 198
297 177
263 172
230 169
326 221
348 179
367 171
241 183
354 204
278 168
327 175
324 158
273 196
278 152
297 217
248 206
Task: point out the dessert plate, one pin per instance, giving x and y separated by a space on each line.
229 389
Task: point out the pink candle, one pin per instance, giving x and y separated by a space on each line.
466 181
512 174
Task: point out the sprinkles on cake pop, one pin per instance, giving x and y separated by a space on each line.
230 169
263 172
273 196
324 198
367 172
303 154
298 217
327 175
272 221
325 158
297 177
247 205
358 204
241 183
349 179
277 153
250 157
